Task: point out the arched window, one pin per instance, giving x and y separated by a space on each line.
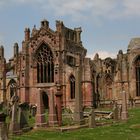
137 68
72 86
13 87
45 65
108 86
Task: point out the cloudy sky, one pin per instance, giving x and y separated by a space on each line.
108 25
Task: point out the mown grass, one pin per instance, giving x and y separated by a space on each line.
129 130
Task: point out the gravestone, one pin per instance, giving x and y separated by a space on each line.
14 125
3 127
119 111
115 112
92 122
124 114
23 116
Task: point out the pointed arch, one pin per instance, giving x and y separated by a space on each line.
12 87
72 86
45 64
108 86
137 74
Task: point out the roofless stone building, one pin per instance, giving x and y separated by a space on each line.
44 71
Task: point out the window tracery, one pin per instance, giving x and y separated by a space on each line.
45 64
72 86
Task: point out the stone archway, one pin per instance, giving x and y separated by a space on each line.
11 89
108 87
41 103
45 99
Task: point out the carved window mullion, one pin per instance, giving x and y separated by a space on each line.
45 60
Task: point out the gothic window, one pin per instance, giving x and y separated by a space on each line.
137 68
108 86
45 65
13 87
72 86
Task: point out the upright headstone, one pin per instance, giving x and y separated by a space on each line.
124 114
92 122
3 127
78 112
115 111
119 111
23 116
14 125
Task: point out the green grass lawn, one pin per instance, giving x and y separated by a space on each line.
117 131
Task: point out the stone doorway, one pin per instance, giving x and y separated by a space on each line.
46 110
45 99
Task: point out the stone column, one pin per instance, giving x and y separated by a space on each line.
3 127
59 106
52 110
78 112
40 115
124 106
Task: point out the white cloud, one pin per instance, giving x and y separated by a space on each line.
83 8
7 3
102 55
94 9
131 7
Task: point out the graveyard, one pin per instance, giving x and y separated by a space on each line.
19 120
116 130
116 122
